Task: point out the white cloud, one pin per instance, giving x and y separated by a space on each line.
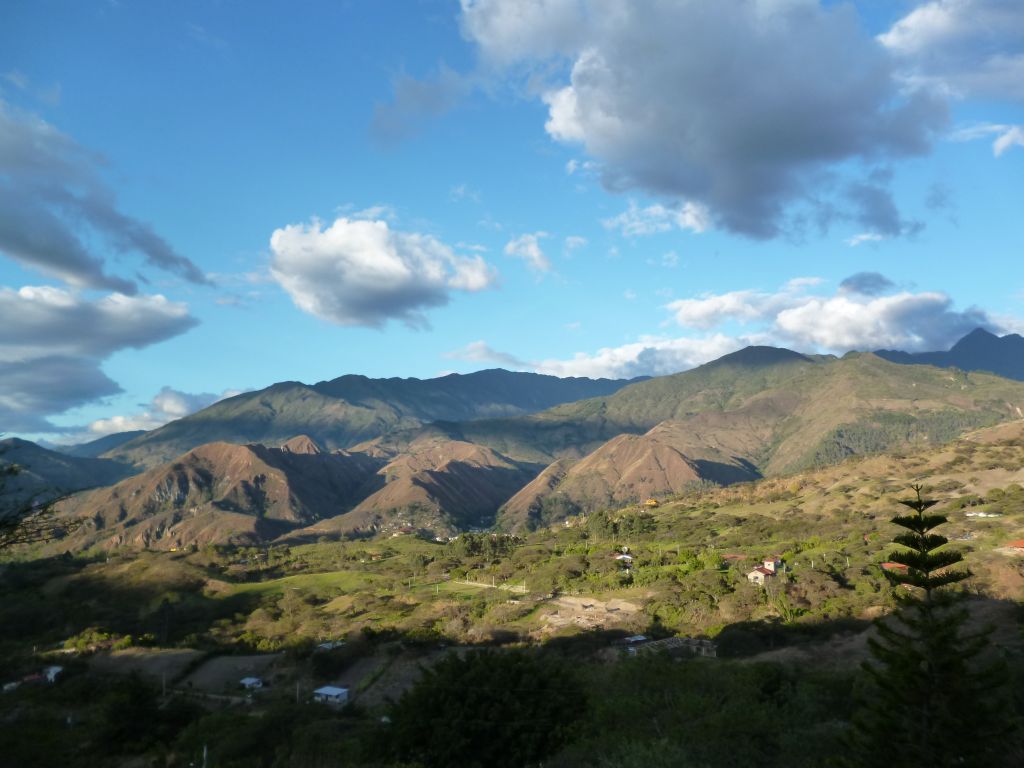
1013 137
527 247
744 306
481 351
906 321
167 405
574 243
358 272
588 167
54 343
965 47
629 294
864 237
858 316
53 321
637 221
807 91
511 32
866 313
1006 136
650 356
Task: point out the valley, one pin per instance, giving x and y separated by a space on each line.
737 515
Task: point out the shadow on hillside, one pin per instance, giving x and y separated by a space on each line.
46 601
728 474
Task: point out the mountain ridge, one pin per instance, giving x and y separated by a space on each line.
351 409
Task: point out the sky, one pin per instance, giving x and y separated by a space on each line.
199 198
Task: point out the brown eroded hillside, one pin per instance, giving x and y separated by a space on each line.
223 493
437 484
629 468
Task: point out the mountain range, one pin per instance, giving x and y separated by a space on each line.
980 350
357 456
351 409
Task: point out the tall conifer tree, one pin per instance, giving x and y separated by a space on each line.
930 699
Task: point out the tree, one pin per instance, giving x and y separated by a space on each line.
484 708
931 698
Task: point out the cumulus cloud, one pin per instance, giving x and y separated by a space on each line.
745 306
167 405
744 109
574 242
865 313
51 357
363 272
857 316
659 218
53 203
527 247
650 356
481 351
965 47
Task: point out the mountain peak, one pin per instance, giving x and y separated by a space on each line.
979 350
301 444
978 338
758 356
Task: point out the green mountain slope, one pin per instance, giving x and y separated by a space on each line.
775 410
783 406
351 409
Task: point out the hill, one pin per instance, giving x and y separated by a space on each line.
95 448
979 350
50 473
435 484
351 409
222 493
774 412
627 469
781 414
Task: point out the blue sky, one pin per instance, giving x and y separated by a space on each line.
206 197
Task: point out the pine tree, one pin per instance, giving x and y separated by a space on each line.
931 698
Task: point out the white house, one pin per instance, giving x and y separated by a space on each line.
760 575
251 683
332 695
